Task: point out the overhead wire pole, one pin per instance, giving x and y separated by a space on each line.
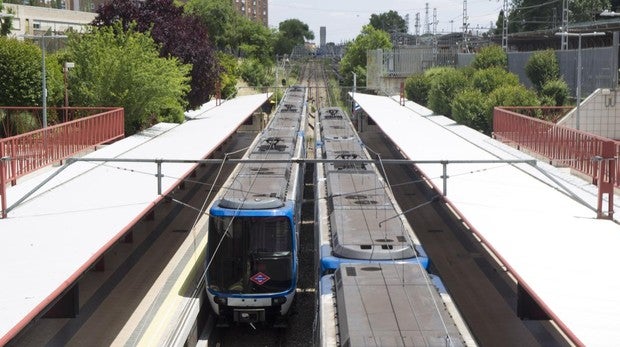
564 39
465 26
435 48
565 36
505 27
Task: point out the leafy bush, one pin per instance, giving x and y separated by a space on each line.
510 96
417 87
542 67
229 74
116 67
486 80
20 68
445 85
254 73
555 93
491 56
469 108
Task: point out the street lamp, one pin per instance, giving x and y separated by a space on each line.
579 35
65 69
43 85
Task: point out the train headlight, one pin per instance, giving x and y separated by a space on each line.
220 300
280 300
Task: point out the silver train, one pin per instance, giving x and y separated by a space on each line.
357 219
375 289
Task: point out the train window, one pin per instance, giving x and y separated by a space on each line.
241 246
271 235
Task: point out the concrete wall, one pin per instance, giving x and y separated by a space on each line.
599 114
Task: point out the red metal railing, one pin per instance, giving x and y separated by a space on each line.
25 153
589 154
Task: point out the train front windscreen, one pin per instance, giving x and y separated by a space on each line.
250 255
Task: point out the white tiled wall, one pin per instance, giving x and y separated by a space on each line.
598 114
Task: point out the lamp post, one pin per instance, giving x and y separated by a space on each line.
65 69
579 35
43 77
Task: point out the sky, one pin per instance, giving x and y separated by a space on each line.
344 19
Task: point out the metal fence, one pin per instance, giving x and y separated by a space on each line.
597 64
25 153
589 154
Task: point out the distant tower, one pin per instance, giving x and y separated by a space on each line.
427 26
564 42
323 35
417 24
465 27
505 27
435 49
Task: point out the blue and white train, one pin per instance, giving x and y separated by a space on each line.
357 219
254 222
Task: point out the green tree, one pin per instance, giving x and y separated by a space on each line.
417 87
445 85
229 75
20 68
499 24
5 22
354 59
176 34
389 22
531 15
469 108
542 67
292 32
587 10
486 80
490 56
256 41
114 67
220 18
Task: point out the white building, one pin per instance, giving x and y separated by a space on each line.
32 20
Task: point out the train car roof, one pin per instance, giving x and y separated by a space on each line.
363 219
391 305
265 185
529 215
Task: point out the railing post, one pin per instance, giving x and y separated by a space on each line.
158 161
606 179
444 176
3 179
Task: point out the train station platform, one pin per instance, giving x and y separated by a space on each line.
62 230
538 220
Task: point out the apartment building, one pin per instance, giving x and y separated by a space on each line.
256 10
